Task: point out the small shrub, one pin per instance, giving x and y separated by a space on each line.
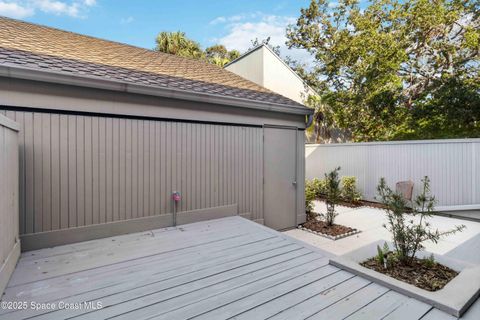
349 189
430 261
382 254
309 196
391 259
409 235
332 195
380 257
319 187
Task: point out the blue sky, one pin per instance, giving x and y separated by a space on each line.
232 23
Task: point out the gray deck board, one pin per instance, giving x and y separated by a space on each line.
185 260
379 308
410 309
351 304
147 272
228 268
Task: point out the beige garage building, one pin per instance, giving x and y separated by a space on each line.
110 131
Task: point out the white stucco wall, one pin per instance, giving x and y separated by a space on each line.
250 67
278 77
265 68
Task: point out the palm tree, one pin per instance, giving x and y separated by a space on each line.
179 44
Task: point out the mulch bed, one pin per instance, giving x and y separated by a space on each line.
419 274
361 203
346 203
334 232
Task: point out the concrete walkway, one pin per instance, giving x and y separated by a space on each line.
370 221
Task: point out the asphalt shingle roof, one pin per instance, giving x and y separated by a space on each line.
43 48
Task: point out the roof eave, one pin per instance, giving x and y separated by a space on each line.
49 76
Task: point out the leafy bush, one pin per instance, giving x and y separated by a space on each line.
309 196
332 194
319 187
410 233
314 189
430 261
349 189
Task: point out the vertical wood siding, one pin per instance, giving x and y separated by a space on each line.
300 177
81 170
8 196
452 166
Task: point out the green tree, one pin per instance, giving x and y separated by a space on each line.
395 69
410 232
219 55
333 193
179 44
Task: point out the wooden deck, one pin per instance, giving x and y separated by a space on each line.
219 269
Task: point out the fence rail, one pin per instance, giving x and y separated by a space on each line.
453 167
9 214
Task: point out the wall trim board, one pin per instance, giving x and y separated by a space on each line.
122 116
247 215
186 217
259 221
9 123
8 266
47 239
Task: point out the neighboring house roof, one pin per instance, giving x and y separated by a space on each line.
288 75
32 47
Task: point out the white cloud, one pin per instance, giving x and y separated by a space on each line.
235 18
25 8
241 31
218 20
58 7
127 20
15 10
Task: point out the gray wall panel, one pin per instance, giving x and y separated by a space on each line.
9 198
83 170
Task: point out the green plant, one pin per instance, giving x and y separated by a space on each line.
349 189
319 187
410 232
309 196
332 195
382 254
430 261
391 259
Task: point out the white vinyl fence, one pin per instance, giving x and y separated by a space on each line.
453 167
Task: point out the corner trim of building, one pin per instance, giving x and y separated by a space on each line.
8 266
